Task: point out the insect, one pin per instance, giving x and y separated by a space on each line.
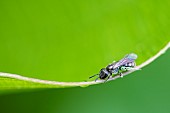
125 64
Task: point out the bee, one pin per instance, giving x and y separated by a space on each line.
117 67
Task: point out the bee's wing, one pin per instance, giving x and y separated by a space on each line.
127 59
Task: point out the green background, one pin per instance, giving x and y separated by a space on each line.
145 91
72 40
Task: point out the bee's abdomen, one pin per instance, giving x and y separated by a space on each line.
131 64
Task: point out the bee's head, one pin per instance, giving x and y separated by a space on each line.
103 73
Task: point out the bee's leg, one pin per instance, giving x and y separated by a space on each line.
120 71
107 78
96 79
121 75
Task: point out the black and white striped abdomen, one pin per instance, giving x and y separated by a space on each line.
130 64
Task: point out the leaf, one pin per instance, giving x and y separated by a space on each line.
141 92
69 41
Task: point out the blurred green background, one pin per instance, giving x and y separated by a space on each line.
72 40
145 91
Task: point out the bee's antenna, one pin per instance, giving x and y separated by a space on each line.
93 76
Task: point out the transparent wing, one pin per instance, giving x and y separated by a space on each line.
127 59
